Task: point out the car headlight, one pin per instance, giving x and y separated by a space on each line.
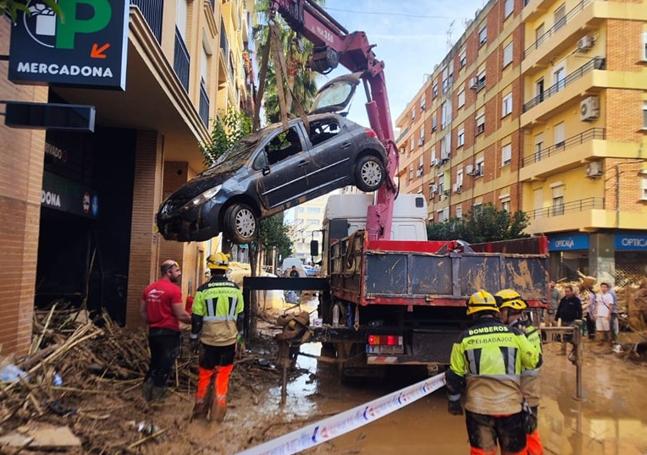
202 198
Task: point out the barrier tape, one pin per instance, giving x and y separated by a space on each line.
347 421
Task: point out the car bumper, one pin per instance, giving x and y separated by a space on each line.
196 225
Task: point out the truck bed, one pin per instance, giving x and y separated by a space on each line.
433 273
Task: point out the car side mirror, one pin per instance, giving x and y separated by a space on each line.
314 248
266 170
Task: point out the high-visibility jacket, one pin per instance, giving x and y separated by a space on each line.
216 308
530 377
486 363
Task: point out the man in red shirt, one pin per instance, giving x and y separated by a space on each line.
162 309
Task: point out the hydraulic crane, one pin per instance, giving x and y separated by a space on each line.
333 44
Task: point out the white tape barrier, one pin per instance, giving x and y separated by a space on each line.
347 421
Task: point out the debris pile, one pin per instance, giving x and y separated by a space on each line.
82 379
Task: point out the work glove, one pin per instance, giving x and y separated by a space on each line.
455 408
195 344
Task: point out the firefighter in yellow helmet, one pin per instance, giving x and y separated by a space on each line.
512 307
485 366
215 325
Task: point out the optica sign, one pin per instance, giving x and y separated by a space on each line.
85 45
631 241
568 242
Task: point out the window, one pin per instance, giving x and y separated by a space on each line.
459 212
460 137
644 46
558 200
441 183
421 136
447 76
480 167
461 99
442 215
445 147
181 17
413 113
445 114
423 103
560 136
507 54
506 105
539 145
433 156
480 124
643 188
539 35
560 17
505 203
483 35
559 77
321 131
644 114
508 7
462 57
434 89
506 155
434 123
480 79
283 145
459 178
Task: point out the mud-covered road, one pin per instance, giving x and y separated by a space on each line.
612 419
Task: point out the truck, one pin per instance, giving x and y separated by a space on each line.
402 301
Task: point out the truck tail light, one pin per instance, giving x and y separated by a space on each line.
370 133
384 340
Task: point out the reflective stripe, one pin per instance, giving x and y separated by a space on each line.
232 306
512 355
211 312
500 377
219 318
454 397
472 360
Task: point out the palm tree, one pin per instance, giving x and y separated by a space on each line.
301 80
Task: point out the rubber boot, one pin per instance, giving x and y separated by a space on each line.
219 409
147 389
158 393
199 410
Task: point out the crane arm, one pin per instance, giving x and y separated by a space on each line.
333 44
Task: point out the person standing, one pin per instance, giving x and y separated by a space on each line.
554 302
162 309
512 307
602 312
587 297
216 322
568 311
485 365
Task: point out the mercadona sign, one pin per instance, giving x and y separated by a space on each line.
85 45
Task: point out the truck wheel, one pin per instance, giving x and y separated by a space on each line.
369 173
240 223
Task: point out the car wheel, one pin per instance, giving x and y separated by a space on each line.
369 173
241 223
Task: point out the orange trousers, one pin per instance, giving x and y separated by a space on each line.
477 451
222 374
534 444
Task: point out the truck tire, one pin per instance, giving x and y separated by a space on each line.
240 223
369 173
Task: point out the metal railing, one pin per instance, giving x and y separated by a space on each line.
181 60
596 63
588 135
567 207
204 104
224 44
152 10
558 25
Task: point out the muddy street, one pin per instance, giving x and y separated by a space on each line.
612 418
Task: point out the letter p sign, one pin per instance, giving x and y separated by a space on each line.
75 19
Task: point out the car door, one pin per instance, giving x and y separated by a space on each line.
331 150
282 164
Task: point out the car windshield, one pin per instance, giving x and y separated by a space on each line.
234 158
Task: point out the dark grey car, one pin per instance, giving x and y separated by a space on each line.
271 171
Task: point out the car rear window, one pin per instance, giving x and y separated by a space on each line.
323 130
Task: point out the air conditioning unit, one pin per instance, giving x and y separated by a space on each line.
434 188
421 141
594 169
474 83
434 162
585 43
458 187
455 187
469 169
589 109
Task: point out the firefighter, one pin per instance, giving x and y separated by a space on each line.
486 364
216 323
512 307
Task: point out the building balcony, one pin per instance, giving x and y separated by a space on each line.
534 8
181 60
578 82
561 35
152 10
565 155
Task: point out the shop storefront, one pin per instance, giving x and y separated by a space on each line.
630 256
569 253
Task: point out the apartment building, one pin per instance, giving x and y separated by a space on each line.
549 115
79 224
306 221
460 137
584 126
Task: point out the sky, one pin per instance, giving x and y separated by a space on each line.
411 37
